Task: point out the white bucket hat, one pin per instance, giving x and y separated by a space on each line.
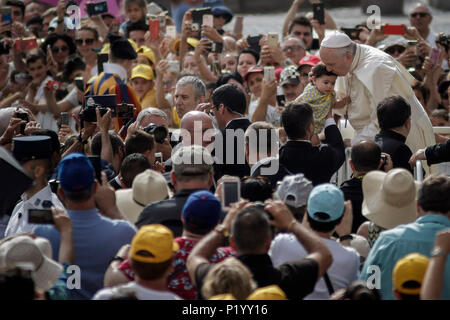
389 198
148 187
23 249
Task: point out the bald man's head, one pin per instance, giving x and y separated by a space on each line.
194 125
366 156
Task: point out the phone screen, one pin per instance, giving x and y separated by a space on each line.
40 216
231 192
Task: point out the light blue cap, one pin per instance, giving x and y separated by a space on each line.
326 198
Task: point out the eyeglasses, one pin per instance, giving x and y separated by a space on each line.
62 49
293 48
420 14
88 41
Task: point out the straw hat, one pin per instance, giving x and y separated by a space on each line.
389 198
148 187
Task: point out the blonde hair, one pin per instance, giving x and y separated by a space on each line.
229 276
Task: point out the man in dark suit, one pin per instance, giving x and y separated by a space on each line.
298 155
433 154
229 105
394 119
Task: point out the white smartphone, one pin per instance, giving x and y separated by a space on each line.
158 157
171 32
231 191
174 66
269 74
272 39
208 20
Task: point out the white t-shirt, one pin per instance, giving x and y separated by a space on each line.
343 271
139 291
272 115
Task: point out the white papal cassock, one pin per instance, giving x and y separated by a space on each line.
375 75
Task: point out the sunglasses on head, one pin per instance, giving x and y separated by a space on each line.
394 49
293 48
62 49
420 14
88 41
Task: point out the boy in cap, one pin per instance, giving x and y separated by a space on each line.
142 82
325 210
34 153
151 256
96 238
201 213
408 276
113 79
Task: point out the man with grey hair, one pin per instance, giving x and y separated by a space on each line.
152 115
192 170
294 49
160 118
369 75
420 17
189 92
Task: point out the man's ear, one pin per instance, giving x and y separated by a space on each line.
352 166
173 179
232 243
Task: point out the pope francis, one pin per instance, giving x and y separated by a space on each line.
369 75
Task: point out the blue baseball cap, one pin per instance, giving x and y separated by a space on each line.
222 11
326 198
202 210
76 173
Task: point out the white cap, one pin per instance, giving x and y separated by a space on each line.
23 249
336 39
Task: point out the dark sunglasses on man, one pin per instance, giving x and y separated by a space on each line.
88 41
393 49
420 14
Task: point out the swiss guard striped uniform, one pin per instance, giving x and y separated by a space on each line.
111 83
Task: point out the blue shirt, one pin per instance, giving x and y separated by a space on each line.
396 243
96 240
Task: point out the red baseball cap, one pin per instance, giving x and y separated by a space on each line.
254 69
309 60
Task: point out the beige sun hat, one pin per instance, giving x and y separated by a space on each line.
23 249
148 187
389 198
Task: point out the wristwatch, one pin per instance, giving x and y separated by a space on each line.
438 252
220 228
81 139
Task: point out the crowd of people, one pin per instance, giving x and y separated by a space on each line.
158 156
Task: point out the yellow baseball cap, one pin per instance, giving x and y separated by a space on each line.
223 296
142 71
153 244
146 52
192 42
268 293
410 270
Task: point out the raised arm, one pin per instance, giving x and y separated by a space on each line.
316 248
290 16
208 245
434 277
